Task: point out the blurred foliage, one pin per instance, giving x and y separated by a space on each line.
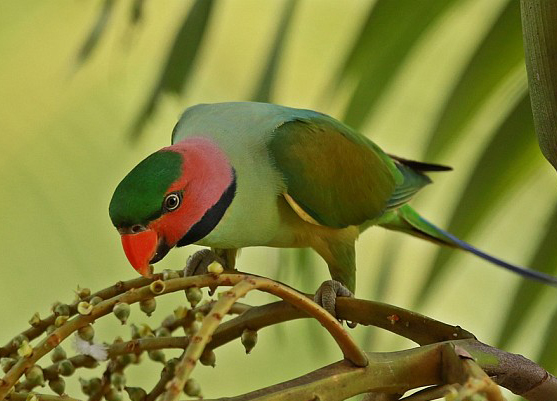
438 80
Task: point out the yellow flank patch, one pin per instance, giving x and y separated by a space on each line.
299 211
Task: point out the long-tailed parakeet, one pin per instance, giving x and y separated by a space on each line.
256 174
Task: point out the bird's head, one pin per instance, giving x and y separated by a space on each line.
175 196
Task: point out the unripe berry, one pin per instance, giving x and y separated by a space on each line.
192 388
121 311
66 368
208 358
157 355
86 332
118 380
58 385
62 310
7 364
249 339
194 295
136 393
58 354
148 306
35 375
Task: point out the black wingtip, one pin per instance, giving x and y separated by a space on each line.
421 166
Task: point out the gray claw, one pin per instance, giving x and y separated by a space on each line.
198 262
327 294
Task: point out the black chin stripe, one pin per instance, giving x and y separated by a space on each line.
211 217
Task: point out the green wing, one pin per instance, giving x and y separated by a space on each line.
337 176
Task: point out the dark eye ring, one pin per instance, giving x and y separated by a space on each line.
172 201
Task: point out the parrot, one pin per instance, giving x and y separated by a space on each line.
242 174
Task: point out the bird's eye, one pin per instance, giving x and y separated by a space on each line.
172 201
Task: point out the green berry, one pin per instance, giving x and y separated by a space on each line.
162 332
58 354
171 365
208 358
35 375
121 311
66 367
7 364
85 386
249 339
83 293
148 306
192 388
95 300
194 296
86 332
118 380
136 393
157 355
62 310
58 385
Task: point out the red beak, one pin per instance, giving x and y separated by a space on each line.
140 248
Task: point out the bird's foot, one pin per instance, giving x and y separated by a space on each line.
327 294
199 262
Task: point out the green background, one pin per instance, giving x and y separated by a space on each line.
452 91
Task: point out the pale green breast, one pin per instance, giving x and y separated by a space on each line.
242 131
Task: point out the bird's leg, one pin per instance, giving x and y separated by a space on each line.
200 261
341 260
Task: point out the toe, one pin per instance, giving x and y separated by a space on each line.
199 261
327 294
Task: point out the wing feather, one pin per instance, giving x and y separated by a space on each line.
337 176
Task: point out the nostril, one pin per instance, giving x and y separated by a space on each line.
137 228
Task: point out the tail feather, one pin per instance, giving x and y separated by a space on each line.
407 220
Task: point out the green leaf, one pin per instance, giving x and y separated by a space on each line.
505 164
180 61
530 292
539 22
390 31
264 87
96 32
481 76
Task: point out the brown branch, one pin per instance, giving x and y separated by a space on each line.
512 371
199 340
40 397
398 372
349 348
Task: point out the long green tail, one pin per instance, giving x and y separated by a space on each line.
407 220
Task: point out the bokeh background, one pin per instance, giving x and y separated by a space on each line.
88 89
